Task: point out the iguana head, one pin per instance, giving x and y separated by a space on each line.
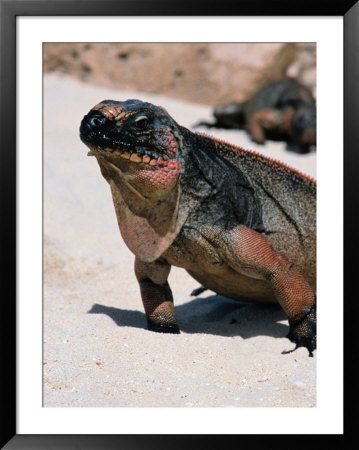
138 139
303 127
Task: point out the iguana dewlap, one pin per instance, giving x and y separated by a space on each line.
241 224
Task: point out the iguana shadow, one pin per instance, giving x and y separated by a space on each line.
211 315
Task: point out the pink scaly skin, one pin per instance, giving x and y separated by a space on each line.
241 224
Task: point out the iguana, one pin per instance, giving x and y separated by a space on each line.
241 224
282 109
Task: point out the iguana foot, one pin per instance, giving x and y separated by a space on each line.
163 327
303 330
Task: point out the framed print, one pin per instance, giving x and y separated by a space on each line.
81 368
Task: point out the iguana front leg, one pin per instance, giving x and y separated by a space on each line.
251 253
156 296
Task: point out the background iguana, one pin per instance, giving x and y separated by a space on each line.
241 224
283 109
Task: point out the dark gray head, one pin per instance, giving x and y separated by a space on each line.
139 138
304 125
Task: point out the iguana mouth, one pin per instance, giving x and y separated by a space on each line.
147 157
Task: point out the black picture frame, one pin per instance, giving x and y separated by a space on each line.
9 10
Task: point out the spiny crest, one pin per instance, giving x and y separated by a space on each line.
228 146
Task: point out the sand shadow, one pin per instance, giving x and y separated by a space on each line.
211 315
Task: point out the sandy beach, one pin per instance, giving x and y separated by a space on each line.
97 351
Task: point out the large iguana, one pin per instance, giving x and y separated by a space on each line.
241 224
282 109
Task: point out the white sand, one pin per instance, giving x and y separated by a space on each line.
97 351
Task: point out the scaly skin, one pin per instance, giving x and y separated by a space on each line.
282 109
241 224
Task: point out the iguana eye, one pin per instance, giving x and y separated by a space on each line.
141 121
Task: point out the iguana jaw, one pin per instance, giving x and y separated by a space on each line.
130 161
151 179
